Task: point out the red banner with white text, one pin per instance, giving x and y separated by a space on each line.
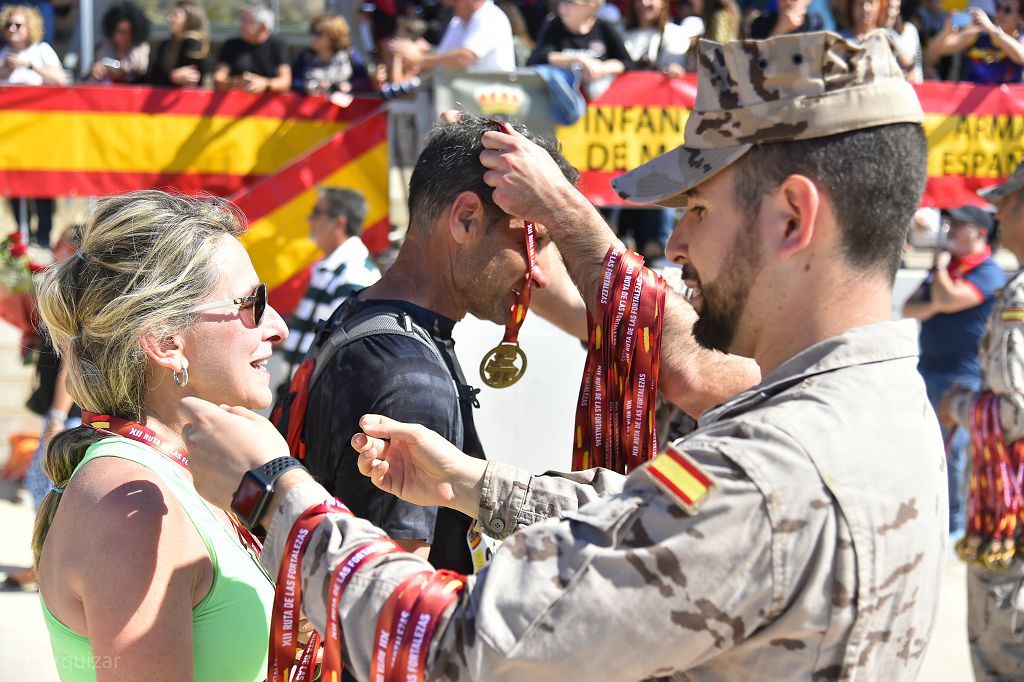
975 134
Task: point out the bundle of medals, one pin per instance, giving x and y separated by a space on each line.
995 502
615 425
406 626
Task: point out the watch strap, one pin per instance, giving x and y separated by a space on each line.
273 469
266 476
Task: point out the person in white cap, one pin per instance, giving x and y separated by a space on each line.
799 532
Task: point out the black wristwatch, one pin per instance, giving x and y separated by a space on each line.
257 487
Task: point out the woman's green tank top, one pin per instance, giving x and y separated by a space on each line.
230 627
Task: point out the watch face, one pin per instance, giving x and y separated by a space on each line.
247 496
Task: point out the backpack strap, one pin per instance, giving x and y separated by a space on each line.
373 322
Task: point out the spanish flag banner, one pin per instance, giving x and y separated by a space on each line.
267 153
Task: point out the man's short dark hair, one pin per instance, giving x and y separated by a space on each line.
450 164
873 176
348 203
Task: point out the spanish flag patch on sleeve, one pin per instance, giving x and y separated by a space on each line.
681 478
1013 314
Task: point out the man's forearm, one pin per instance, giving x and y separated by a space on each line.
340 535
692 377
460 58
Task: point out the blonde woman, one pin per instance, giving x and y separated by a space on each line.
25 59
139 578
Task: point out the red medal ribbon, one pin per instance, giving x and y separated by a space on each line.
440 591
284 623
125 428
332 667
406 626
995 502
615 415
522 302
408 623
134 431
306 667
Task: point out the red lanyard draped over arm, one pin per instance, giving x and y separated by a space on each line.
615 425
407 623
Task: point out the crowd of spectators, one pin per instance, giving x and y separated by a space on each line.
386 46
392 41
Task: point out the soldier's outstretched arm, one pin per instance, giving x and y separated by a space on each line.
627 587
528 184
419 466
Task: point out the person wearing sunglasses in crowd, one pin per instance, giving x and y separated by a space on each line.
993 52
136 571
25 59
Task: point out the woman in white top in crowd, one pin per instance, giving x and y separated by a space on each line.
653 41
908 42
25 59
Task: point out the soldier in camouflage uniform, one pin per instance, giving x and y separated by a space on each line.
995 599
817 554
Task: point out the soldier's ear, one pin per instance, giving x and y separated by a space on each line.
797 202
466 219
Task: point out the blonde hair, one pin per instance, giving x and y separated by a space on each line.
144 260
335 28
33 21
197 27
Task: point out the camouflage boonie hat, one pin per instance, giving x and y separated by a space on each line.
997 193
793 87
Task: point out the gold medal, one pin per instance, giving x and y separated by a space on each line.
498 369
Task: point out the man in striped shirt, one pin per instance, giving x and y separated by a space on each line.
334 225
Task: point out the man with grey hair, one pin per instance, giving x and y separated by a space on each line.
256 61
799 532
335 224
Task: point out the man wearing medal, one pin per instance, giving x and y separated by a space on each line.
461 255
798 533
995 572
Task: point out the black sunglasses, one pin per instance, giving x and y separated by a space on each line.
257 300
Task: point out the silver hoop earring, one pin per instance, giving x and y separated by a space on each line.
182 378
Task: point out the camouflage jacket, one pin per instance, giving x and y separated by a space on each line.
1001 354
817 557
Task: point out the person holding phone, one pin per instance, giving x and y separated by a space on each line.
992 51
122 56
